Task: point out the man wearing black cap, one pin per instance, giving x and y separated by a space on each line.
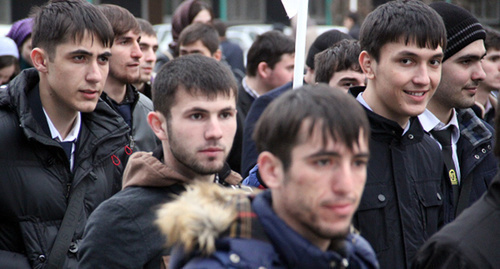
469 160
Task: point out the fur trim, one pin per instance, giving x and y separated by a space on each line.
197 217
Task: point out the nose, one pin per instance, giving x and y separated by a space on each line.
342 181
422 75
213 129
478 73
94 74
149 55
136 51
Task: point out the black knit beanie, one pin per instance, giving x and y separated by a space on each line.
322 42
462 28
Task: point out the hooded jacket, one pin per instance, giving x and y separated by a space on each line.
121 232
215 227
35 177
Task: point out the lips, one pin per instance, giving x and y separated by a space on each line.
417 94
212 151
90 94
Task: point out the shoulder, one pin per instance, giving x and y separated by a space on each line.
145 102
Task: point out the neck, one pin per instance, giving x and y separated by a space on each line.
257 85
115 89
441 112
62 117
482 96
375 103
139 86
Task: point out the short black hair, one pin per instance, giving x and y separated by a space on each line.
121 19
409 21
195 74
492 38
200 31
61 21
146 27
343 55
268 47
338 114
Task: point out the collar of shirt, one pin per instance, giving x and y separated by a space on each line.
247 88
362 101
430 122
72 135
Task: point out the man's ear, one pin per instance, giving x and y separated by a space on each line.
263 70
367 64
270 170
217 55
158 124
40 58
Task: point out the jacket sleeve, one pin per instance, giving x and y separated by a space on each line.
436 254
112 239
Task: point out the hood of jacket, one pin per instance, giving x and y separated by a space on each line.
200 215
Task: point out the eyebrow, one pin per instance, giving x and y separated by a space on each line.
336 154
199 109
470 57
409 53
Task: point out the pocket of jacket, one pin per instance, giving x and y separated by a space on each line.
431 200
371 219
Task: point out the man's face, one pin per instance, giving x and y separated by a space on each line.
347 78
124 64
403 80
201 131
282 72
491 66
462 74
76 74
149 46
322 188
196 47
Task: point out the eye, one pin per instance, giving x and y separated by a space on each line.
103 59
196 116
435 62
360 163
226 115
406 61
322 162
79 58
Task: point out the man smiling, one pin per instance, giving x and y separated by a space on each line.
402 48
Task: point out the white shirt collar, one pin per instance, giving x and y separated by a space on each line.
249 90
72 135
430 122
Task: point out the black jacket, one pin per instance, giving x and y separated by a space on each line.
35 178
402 202
471 241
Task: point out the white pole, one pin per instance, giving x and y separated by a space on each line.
300 43
353 5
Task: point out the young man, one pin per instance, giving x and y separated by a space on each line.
124 69
402 48
485 100
270 63
64 149
250 154
149 46
338 66
200 38
195 119
467 148
470 241
314 164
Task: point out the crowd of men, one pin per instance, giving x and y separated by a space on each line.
117 158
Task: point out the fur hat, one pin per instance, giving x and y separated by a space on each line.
462 28
322 42
8 47
20 30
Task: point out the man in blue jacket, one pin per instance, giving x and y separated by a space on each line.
314 155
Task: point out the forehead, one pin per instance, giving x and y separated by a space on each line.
196 46
149 39
394 48
130 34
87 42
185 100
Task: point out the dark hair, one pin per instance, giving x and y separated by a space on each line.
410 21
268 47
220 26
343 55
203 32
146 27
9 60
338 114
195 74
492 38
60 21
353 16
121 19
185 13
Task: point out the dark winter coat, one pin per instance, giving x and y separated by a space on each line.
402 202
35 176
